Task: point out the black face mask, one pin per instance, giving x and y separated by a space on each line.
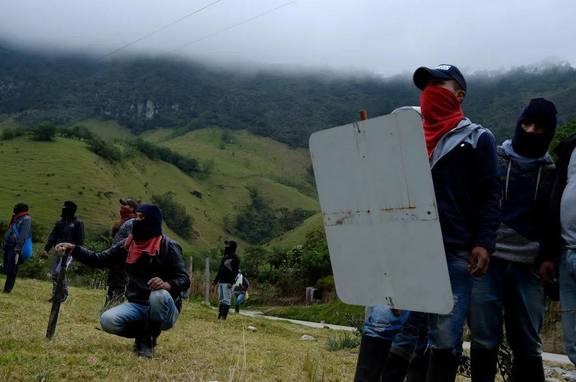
530 145
542 113
67 213
143 230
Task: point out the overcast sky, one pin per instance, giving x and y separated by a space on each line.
378 36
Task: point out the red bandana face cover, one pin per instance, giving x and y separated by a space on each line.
442 113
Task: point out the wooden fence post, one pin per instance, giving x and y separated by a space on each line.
207 282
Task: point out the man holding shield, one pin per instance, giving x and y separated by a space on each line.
466 184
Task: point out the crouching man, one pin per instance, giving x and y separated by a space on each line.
156 278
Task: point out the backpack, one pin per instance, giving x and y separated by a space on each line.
26 253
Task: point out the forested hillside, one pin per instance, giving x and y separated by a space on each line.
146 93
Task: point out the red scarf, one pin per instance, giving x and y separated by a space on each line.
441 112
135 250
18 216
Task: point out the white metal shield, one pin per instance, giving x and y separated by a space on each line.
377 199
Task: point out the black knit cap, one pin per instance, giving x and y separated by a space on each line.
71 206
231 246
20 207
150 226
542 113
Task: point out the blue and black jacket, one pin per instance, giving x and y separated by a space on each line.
524 201
467 187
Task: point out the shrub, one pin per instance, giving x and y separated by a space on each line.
342 341
11 133
258 223
189 166
45 132
104 149
175 215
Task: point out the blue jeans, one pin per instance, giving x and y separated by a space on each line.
568 301
122 319
446 330
224 293
412 340
381 322
240 297
510 294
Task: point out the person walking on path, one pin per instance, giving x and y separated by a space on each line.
68 229
466 184
226 276
157 278
240 290
117 276
17 239
512 285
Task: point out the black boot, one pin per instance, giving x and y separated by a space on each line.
220 311
443 366
144 347
483 364
418 368
527 369
371 359
395 368
155 328
225 310
237 308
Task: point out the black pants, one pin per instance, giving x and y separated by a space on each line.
10 268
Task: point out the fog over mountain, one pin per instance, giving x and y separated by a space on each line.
370 36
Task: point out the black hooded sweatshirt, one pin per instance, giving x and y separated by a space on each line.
229 267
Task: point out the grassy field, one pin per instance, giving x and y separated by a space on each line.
199 348
44 174
334 313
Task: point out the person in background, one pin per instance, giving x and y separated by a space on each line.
511 294
226 276
559 254
240 290
68 229
117 276
17 238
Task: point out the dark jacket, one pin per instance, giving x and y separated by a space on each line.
66 231
229 266
524 202
553 244
167 265
467 188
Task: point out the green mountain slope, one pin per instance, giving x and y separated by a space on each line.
44 174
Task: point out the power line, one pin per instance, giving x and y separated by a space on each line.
164 27
235 25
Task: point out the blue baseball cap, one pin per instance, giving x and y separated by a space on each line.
423 75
